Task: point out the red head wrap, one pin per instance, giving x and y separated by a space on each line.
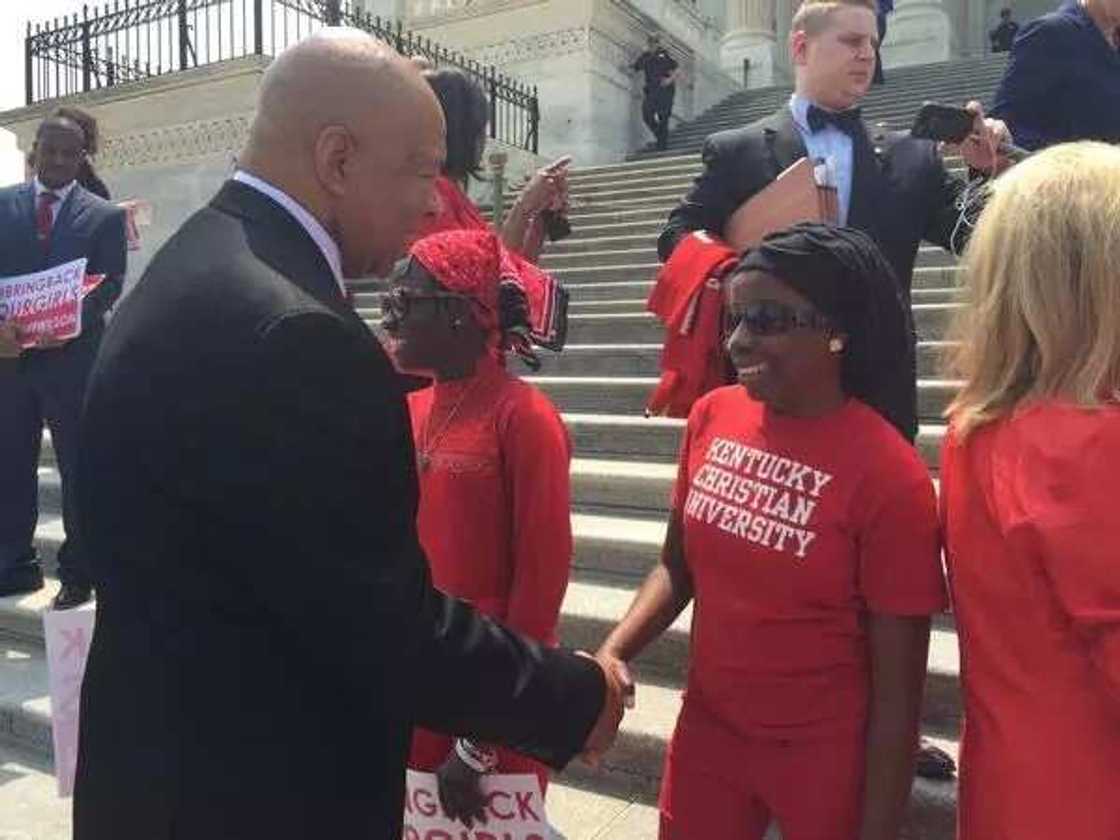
466 262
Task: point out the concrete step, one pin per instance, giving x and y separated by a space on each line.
930 320
593 218
607 359
643 249
30 808
612 359
619 305
622 488
925 277
629 394
686 167
628 437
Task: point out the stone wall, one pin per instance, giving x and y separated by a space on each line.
172 141
578 53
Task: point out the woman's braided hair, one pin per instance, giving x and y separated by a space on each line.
842 272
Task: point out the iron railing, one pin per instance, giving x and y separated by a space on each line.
139 39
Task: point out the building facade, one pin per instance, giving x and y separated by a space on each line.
577 51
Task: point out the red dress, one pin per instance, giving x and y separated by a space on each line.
494 513
794 529
1033 546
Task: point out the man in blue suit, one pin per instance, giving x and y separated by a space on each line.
1063 80
45 223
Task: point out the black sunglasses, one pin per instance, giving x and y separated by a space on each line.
769 317
398 301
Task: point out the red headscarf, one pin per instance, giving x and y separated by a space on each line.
547 299
469 263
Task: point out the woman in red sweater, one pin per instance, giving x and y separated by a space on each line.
1031 528
805 528
493 459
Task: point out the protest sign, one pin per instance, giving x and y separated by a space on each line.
46 305
67 634
514 810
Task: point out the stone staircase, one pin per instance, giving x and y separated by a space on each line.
894 103
622 471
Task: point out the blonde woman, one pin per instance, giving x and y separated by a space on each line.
1029 495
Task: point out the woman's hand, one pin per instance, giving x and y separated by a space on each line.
460 794
547 189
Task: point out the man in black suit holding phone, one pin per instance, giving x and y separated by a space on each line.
895 187
267 632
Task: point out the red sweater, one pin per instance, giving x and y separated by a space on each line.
1033 547
494 513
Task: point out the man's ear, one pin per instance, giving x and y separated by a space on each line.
798 47
333 155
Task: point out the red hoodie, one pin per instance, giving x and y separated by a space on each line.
688 298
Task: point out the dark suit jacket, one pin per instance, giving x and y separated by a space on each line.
85 226
1062 82
900 195
267 632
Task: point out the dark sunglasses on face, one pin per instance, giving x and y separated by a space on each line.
398 302
769 317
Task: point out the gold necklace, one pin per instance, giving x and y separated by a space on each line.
424 456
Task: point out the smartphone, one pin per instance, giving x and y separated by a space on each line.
942 122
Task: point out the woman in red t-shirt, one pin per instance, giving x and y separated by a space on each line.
1031 529
805 528
493 459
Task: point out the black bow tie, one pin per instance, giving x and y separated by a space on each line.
850 121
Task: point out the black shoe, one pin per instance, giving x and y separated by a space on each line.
934 763
22 579
72 595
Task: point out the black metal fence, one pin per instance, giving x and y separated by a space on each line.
138 39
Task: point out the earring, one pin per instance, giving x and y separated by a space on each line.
835 345
456 323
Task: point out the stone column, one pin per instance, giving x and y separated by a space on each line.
919 32
750 37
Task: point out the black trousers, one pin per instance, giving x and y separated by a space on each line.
657 107
42 387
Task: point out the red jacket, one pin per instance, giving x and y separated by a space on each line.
687 297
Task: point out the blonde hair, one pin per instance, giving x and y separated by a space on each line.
813 16
1043 288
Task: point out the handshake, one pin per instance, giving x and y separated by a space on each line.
620 695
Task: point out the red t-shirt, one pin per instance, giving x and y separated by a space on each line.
794 529
1032 540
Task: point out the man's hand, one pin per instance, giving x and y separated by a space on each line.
9 341
460 794
980 149
620 696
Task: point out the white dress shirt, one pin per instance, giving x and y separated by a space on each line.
314 229
829 146
63 193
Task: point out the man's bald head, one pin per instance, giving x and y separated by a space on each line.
344 124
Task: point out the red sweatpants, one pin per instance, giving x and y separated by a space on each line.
720 785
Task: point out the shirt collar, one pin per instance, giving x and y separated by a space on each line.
62 192
308 222
799 108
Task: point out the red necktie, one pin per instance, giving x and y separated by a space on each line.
44 218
